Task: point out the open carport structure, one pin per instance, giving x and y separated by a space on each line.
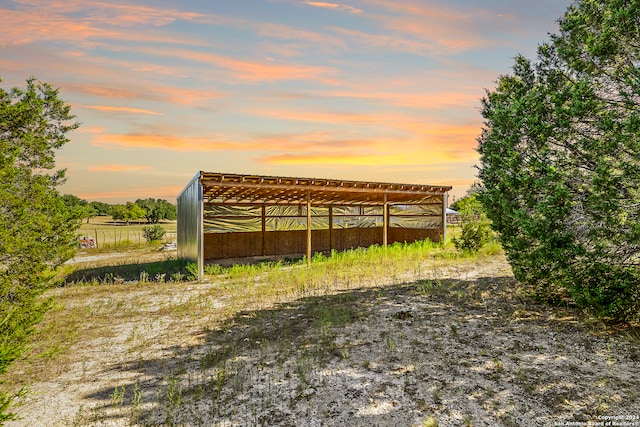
233 216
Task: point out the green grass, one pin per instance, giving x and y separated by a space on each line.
119 235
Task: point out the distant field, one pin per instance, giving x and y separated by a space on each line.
107 231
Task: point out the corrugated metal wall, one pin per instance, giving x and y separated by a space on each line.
189 205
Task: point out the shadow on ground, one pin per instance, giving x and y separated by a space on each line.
168 269
380 356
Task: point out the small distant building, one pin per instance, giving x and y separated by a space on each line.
453 217
223 216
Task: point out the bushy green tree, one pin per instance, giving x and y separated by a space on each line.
475 189
157 210
127 212
37 229
475 226
81 206
100 208
560 160
153 233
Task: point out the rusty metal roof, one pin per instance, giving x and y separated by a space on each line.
235 188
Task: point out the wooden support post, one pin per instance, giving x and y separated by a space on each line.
200 232
308 227
385 222
444 218
330 227
264 228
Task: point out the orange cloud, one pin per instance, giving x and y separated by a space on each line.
420 127
280 143
117 168
163 142
331 159
376 140
358 159
123 110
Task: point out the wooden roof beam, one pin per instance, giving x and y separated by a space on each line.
423 189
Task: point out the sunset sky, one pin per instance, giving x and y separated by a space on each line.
375 90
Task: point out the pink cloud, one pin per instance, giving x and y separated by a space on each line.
286 32
334 6
120 14
28 26
422 28
329 117
42 20
148 92
253 70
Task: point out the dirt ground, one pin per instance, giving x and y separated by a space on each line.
462 347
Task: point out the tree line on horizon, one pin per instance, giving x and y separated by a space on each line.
150 209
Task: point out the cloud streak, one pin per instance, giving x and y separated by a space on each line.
144 92
162 142
360 159
333 6
253 71
117 168
112 109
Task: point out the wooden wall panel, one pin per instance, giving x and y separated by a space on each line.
349 238
240 245
320 241
410 235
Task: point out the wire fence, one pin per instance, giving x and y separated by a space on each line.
119 236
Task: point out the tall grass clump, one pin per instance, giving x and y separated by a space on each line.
327 272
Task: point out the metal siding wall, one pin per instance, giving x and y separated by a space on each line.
189 221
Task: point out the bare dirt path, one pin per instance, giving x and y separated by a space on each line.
462 347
